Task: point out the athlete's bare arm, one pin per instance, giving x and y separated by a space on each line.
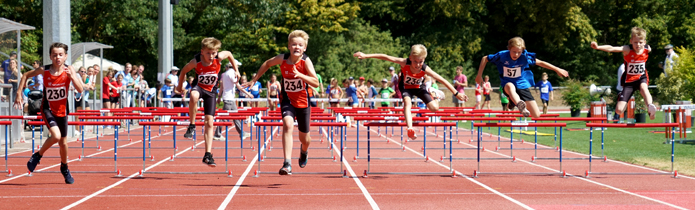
400 61
18 101
446 83
277 60
479 78
182 75
310 78
229 56
556 69
611 49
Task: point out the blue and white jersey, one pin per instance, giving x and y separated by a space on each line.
514 71
545 88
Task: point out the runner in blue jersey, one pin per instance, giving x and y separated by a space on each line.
512 65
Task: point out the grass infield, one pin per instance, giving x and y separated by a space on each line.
638 146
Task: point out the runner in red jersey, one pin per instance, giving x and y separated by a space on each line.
207 66
57 78
635 76
297 75
411 81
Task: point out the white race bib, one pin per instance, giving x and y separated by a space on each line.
635 68
544 89
385 95
207 79
512 72
168 92
293 85
56 93
412 80
254 88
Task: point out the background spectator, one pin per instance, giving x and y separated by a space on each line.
460 82
670 57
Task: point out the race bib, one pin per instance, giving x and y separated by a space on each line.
293 85
207 79
254 88
385 95
412 80
635 68
544 89
512 72
168 92
56 93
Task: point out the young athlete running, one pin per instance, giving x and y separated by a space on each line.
513 65
297 74
273 91
411 81
57 78
207 66
635 76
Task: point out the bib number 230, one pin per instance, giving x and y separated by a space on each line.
55 94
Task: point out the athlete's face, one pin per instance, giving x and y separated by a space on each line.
128 68
545 77
273 78
515 52
638 43
208 54
297 46
416 63
58 56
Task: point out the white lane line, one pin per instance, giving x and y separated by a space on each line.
125 179
461 174
590 181
610 160
231 194
368 196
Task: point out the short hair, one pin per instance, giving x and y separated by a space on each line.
57 45
90 68
37 62
119 75
80 69
486 76
345 80
516 42
418 50
191 77
459 68
126 64
95 65
638 32
211 43
167 80
371 81
544 74
299 33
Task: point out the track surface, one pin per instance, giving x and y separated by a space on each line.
321 184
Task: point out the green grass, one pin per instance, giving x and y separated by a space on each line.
632 145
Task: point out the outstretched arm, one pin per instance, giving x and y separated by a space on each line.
277 60
611 49
446 83
479 78
228 55
400 61
556 69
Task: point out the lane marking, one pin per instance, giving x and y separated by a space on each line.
125 179
368 196
77 141
460 174
241 179
588 180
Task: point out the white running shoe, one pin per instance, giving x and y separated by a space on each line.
522 108
652 111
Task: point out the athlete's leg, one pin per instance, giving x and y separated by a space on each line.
63 144
510 89
193 106
533 108
287 128
433 105
644 90
209 129
406 110
50 141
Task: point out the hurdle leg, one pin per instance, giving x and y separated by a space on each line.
32 141
265 136
174 138
591 145
115 149
478 151
444 146
511 143
83 141
226 149
358 137
343 130
369 150
673 147
450 150
424 142
602 140
535 142
555 136
144 139
6 136
560 149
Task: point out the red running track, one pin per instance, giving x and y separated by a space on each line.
313 191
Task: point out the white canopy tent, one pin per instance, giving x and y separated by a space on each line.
93 59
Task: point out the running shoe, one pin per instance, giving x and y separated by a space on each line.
522 108
286 169
303 158
511 106
207 159
189 132
33 161
411 134
66 174
247 135
218 138
652 111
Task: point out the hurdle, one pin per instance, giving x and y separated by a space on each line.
641 125
388 119
424 152
473 119
570 119
480 127
7 123
340 125
144 157
83 123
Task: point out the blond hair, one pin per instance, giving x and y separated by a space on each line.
516 42
418 50
211 43
300 34
639 33
544 74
